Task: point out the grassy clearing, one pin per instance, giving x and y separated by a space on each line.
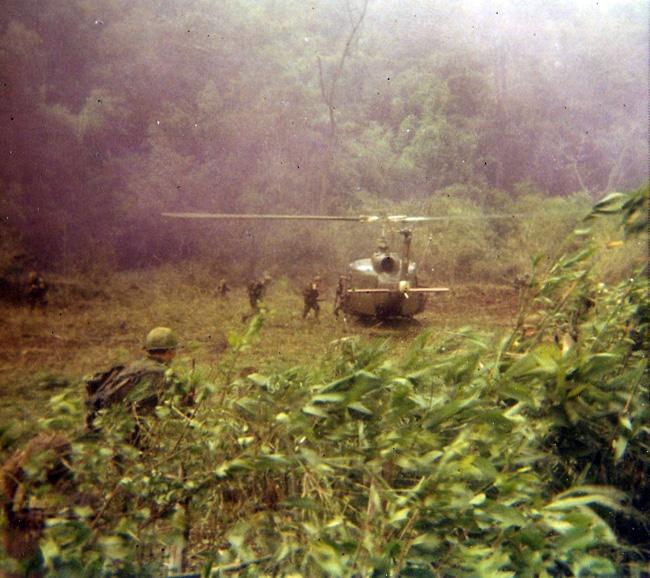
90 327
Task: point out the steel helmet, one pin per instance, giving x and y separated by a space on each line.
160 338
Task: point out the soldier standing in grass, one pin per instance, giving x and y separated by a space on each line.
256 291
36 484
310 296
36 291
340 296
583 307
223 289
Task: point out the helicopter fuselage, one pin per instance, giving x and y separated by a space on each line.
378 287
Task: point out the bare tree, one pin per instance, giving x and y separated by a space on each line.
616 172
328 86
572 160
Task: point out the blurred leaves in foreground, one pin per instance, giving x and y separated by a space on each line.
469 455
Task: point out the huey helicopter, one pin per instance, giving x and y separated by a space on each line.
382 286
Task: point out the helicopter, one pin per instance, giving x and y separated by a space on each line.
382 286
385 285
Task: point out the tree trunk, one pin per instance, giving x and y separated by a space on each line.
328 94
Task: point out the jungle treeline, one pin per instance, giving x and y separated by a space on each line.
113 111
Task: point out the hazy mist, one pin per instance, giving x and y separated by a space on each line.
113 111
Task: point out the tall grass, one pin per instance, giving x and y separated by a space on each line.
466 454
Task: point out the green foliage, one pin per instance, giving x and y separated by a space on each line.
464 456
633 209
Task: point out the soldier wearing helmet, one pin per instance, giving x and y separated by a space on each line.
161 344
140 386
223 288
340 297
256 291
36 291
310 296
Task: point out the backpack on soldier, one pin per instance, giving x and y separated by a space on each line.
113 386
100 388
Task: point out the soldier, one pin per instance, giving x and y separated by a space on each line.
310 296
139 386
36 291
256 291
340 295
36 483
223 288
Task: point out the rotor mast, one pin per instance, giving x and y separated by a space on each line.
406 253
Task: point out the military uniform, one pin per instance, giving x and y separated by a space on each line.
584 305
36 291
223 289
256 291
340 296
310 296
138 387
255 294
36 483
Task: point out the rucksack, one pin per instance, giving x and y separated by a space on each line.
97 381
104 389
143 378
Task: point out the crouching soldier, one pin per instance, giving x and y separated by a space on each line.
132 393
138 387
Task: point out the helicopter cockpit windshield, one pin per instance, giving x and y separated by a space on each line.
383 263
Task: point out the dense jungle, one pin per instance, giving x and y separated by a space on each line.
504 431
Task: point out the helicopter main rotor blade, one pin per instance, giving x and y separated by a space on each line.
410 290
252 216
405 219
354 219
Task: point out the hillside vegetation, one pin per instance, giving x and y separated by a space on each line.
332 106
